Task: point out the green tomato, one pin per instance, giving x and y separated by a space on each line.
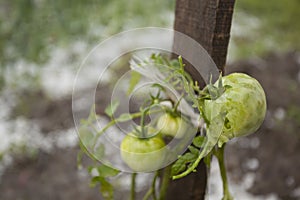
244 104
143 154
171 126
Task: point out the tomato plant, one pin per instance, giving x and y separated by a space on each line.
233 106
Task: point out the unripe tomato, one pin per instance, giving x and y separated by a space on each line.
171 125
244 104
143 154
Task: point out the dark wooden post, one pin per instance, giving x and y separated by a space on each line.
208 22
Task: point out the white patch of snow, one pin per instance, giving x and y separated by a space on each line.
5 162
58 74
238 189
296 193
279 113
290 181
66 138
270 122
243 25
123 181
252 164
24 133
254 142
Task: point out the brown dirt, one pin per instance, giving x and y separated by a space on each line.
48 177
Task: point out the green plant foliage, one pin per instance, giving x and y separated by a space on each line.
232 107
106 189
110 110
293 113
29 29
275 26
86 134
134 80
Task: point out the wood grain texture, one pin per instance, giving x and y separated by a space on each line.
208 22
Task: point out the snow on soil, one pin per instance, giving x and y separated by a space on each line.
238 190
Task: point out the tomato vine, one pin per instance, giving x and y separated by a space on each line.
221 107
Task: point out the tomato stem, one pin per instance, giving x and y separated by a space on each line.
152 190
177 104
219 153
143 132
148 194
153 186
132 191
165 183
113 122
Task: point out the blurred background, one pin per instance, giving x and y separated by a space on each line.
42 44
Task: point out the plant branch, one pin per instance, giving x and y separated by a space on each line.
219 153
165 183
132 190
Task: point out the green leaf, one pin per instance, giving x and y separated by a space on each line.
86 123
91 118
181 164
84 149
159 86
106 190
215 128
95 180
227 87
86 136
178 167
90 169
134 80
199 141
124 117
87 129
100 151
110 110
213 133
106 171
193 150
79 159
